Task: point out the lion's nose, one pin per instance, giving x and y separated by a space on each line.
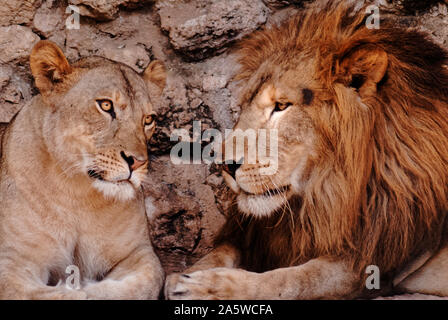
231 168
132 161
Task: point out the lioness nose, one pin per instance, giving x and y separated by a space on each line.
231 168
132 161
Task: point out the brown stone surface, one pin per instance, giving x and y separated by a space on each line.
105 9
182 210
199 28
16 43
283 3
17 11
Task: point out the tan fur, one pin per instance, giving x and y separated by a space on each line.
362 120
68 195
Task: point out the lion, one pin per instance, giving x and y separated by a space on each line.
362 182
72 215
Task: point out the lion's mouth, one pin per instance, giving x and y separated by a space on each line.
271 192
263 204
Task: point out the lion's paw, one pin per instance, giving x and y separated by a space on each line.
212 284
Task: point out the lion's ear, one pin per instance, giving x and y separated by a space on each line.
364 67
156 73
48 65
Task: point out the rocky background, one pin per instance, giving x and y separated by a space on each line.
186 204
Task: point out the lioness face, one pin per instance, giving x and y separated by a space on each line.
105 133
100 124
281 102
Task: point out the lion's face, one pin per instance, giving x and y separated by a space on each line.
311 114
100 124
283 103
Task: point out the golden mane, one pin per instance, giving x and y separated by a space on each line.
378 192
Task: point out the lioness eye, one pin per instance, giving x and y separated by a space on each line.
107 106
148 120
281 106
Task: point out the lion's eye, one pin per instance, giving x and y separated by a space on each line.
148 120
106 106
281 106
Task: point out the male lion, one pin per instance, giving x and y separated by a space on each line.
362 121
70 183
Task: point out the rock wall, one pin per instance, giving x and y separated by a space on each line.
186 204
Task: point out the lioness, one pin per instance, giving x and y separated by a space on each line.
72 164
362 122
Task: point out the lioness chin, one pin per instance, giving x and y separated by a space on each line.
362 122
72 163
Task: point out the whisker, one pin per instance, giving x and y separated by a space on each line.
287 204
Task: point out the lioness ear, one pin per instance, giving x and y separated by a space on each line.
156 74
48 65
364 67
